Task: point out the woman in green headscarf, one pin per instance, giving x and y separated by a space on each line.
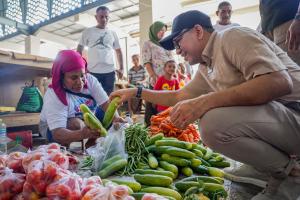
154 58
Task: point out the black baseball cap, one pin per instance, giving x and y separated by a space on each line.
186 20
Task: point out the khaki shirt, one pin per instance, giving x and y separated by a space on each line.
237 55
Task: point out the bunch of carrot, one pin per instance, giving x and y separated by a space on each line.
161 123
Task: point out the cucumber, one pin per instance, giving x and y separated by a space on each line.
205 179
187 171
183 186
138 195
169 167
169 138
157 150
163 191
220 164
160 169
135 186
111 161
85 109
153 139
219 158
156 172
175 151
208 154
94 123
200 147
197 152
110 112
174 143
195 162
204 162
181 162
153 180
213 187
212 171
201 169
152 161
112 168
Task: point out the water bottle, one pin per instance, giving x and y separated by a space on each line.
3 138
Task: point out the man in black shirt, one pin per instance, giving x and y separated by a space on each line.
280 21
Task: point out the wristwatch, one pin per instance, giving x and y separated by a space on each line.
139 92
297 17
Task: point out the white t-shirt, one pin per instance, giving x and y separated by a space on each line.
101 44
219 27
56 114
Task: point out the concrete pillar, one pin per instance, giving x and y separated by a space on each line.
146 19
32 45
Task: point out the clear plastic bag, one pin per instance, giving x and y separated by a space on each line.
67 187
97 193
151 196
11 183
14 161
90 183
107 147
3 159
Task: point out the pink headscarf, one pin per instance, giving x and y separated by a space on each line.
65 61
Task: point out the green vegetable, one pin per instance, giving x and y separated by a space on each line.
87 162
163 191
111 161
153 180
208 154
156 172
174 143
197 152
112 168
158 150
200 147
110 112
138 195
154 138
183 186
212 171
195 162
152 161
201 169
206 179
135 135
213 187
94 123
181 162
175 151
135 186
204 162
187 171
220 164
169 167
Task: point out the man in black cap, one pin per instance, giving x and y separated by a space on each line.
246 95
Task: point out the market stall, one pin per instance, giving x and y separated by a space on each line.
131 162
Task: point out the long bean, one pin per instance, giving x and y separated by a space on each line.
135 135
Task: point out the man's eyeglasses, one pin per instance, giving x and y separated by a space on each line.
177 39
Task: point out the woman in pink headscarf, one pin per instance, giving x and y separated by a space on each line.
61 119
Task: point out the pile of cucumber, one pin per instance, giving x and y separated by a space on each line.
169 160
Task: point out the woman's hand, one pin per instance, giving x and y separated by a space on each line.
124 94
90 133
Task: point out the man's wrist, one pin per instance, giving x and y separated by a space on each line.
297 16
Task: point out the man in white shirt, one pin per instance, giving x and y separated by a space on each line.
102 43
224 13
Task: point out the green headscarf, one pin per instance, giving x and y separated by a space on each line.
154 29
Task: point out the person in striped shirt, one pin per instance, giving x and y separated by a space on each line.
136 77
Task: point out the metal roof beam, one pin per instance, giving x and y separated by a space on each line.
23 28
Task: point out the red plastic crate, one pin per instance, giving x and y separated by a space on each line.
26 137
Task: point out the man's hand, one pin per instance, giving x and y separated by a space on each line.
188 111
153 79
293 36
124 94
120 73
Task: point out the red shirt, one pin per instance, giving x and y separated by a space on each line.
163 84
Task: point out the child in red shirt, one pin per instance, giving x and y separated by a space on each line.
167 81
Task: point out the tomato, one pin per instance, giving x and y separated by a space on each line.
119 192
14 161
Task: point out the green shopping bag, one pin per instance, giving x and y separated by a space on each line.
31 100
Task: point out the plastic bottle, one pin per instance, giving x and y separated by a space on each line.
3 138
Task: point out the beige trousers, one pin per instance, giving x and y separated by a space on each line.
262 136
